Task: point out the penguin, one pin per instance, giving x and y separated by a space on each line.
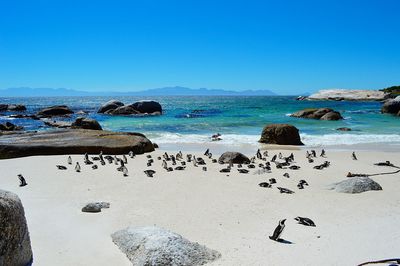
278 230
148 156
204 168
149 173
294 167
253 159
300 185
164 164
209 155
314 153
194 162
124 159
239 165
258 154
265 153
251 166
22 181
77 167
173 160
183 163
102 162
61 167
264 184
131 154
69 160
272 180
308 154
322 153
148 164
115 160
280 155
166 156
285 190
243 171
188 158
214 161
230 164
310 160
353 155
159 158
225 170
305 221
303 182
286 175
207 152
125 171
180 168
273 158
94 167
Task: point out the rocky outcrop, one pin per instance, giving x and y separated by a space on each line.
110 105
320 113
391 106
94 207
57 124
15 244
9 127
72 141
142 107
282 134
349 95
59 110
12 107
158 246
356 185
234 157
86 123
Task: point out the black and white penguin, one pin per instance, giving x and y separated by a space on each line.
77 167
264 184
273 158
278 230
204 168
243 171
149 173
22 181
323 154
69 160
353 156
124 159
258 154
61 167
207 152
164 164
305 221
125 171
285 190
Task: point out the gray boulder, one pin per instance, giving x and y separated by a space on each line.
282 134
123 110
321 113
391 106
58 110
86 123
235 157
95 206
110 105
9 127
356 185
157 246
15 245
12 107
149 107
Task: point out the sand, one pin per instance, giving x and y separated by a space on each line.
226 212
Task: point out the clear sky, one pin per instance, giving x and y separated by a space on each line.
289 47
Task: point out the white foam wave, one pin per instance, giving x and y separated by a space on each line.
307 139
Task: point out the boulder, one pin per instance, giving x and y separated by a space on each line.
147 107
235 157
321 113
9 127
356 185
72 141
86 123
94 207
158 246
282 134
54 123
3 107
349 95
123 110
58 110
110 105
15 244
391 106
343 129
16 108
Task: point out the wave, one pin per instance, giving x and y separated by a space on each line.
307 139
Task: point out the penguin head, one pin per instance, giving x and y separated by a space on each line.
282 222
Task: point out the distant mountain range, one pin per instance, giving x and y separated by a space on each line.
166 91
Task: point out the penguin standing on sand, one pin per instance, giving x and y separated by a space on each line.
124 159
77 167
278 230
353 155
22 181
259 156
69 160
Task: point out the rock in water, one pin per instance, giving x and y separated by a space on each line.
15 245
95 206
391 106
356 185
55 111
110 105
86 123
149 107
235 157
158 246
321 113
282 134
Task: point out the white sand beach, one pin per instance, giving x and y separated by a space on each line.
226 212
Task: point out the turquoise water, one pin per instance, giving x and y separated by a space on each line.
239 119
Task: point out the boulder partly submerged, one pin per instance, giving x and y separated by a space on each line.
15 244
391 106
356 185
157 246
115 107
281 134
349 95
320 113
57 110
72 141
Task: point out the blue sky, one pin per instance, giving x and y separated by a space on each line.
289 47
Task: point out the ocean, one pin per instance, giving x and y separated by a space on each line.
239 119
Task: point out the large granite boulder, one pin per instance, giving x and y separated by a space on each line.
356 185
94 207
282 134
72 141
15 244
321 113
391 106
148 246
148 107
86 123
9 127
235 157
123 110
110 105
349 95
58 110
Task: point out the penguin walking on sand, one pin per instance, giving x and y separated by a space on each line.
77 167
353 155
259 156
125 170
280 156
164 164
69 160
278 230
207 152
273 158
124 159
131 154
22 181
305 221
323 153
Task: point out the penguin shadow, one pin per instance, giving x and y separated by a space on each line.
284 241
